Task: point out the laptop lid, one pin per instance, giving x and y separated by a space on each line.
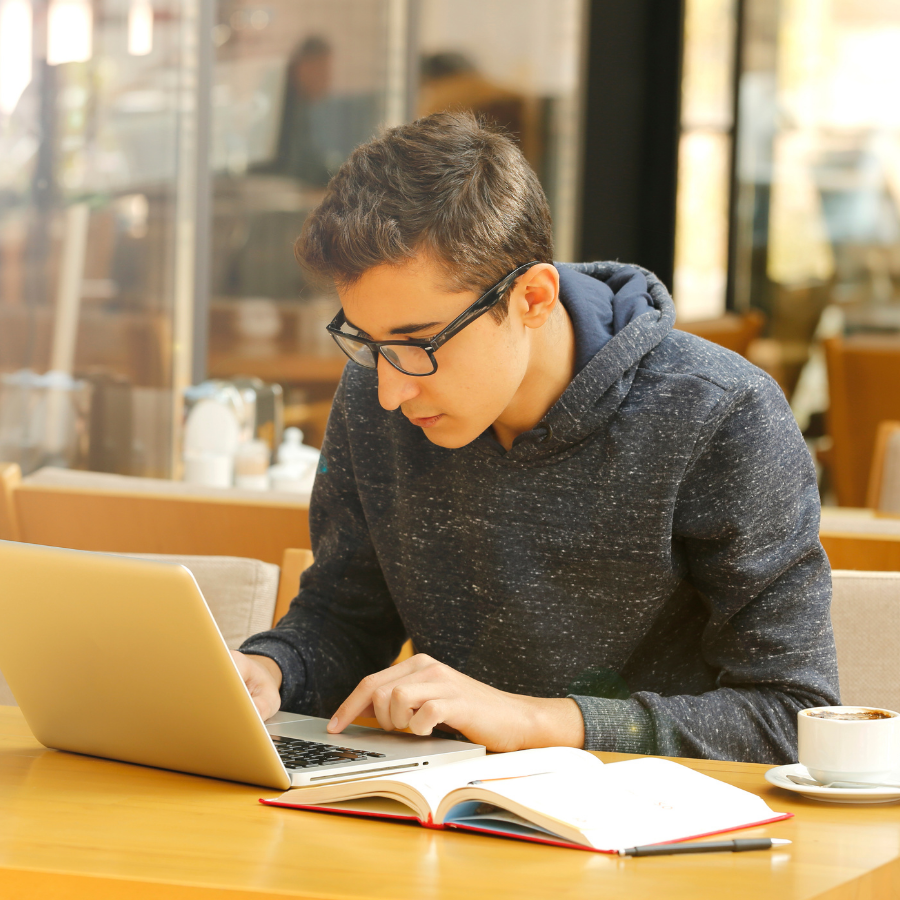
120 657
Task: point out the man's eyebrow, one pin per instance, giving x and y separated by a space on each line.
402 329
412 329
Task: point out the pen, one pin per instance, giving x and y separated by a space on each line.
507 778
707 847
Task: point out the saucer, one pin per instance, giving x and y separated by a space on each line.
778 777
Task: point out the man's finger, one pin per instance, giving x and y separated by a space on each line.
407 698
371 698
360 700
429 715
381 703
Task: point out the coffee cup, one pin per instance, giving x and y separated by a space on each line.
849 743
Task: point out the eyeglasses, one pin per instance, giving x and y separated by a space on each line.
413 356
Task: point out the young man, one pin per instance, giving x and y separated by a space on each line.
597 531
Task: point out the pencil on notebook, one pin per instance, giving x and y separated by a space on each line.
507 778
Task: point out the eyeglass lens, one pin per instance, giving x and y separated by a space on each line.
411 360
359 352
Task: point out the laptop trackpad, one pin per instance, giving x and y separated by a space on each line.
395 745
281 718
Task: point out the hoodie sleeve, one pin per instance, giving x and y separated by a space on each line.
747 516
343 624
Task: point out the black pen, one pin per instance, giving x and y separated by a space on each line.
707 847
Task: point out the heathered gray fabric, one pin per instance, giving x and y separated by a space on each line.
651 549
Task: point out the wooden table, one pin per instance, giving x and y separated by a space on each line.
73 827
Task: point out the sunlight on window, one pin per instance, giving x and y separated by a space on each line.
15 52
704 154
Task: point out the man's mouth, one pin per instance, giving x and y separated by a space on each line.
426 421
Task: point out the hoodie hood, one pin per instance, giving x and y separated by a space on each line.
623 310
600 309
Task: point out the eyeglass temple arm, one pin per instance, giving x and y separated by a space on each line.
490 299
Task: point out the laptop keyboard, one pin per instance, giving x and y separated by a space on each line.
297 754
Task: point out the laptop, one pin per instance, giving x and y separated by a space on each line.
119 657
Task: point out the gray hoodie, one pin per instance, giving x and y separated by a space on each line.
650 549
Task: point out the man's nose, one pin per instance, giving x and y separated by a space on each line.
394 387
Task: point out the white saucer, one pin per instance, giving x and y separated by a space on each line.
778 777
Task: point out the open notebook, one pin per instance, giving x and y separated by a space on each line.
556 795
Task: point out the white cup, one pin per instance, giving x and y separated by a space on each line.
865 750
208 469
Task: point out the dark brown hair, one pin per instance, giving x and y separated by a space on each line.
447 186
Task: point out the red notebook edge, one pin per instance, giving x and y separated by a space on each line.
563 843
779 817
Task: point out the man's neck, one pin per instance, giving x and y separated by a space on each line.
550 370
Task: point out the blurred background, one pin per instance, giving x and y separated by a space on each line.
158 158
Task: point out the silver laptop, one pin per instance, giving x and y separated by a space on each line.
120 658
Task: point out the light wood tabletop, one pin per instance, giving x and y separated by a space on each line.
74 827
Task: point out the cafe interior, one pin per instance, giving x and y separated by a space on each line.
166 375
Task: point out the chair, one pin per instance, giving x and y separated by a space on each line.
869 539
245 596
860 539
865 614
732 331
118 513
863 372
10 478
884 481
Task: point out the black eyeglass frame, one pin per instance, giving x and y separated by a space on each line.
488 300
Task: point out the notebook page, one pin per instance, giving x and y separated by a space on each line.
642 801
498 821
434 783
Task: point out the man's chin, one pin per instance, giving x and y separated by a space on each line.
449 439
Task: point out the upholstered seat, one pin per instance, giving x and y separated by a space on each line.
865 613
240 593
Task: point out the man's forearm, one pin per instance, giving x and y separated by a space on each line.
555 723
291 674
270 666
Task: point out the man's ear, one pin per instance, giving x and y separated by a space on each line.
536 294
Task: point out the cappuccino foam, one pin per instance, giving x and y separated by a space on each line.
861 716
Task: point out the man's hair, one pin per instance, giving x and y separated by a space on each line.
447 187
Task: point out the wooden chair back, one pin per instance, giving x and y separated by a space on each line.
732 331
862 552
10 478
884 479
859 539
127 515
293 565
863 379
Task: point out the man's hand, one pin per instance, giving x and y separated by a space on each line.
263 679
421 693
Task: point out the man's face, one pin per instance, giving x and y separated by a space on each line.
480 369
